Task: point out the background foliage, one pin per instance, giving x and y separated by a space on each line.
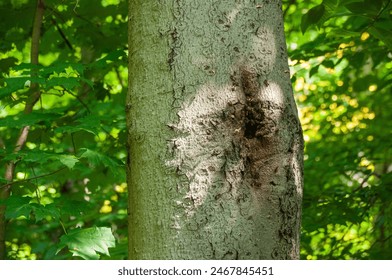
69 193
342 81
69 186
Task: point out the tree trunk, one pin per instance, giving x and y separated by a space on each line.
215 145
5 190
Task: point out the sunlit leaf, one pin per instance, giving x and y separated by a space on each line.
68 160
88 243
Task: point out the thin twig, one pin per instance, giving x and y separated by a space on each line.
79 99
32 178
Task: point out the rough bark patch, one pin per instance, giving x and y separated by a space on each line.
228 134
236 145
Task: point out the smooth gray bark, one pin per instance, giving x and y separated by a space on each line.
215 145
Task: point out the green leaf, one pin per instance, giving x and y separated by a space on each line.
328 64
313 16
13 84
90 123
44 211
18 206
76 128
340 32
374 5
16 83
314 70
7 63
21 120
87 243
330 7
96 158
68 160
60 67
383 35
41 157
112 56
68 83
358 8
72 207
35 156
345 2
26 66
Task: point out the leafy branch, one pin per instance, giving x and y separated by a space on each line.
31 101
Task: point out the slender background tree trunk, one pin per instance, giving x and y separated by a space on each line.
215 145
34 96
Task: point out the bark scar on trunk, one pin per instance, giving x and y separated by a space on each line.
259 122
252 119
